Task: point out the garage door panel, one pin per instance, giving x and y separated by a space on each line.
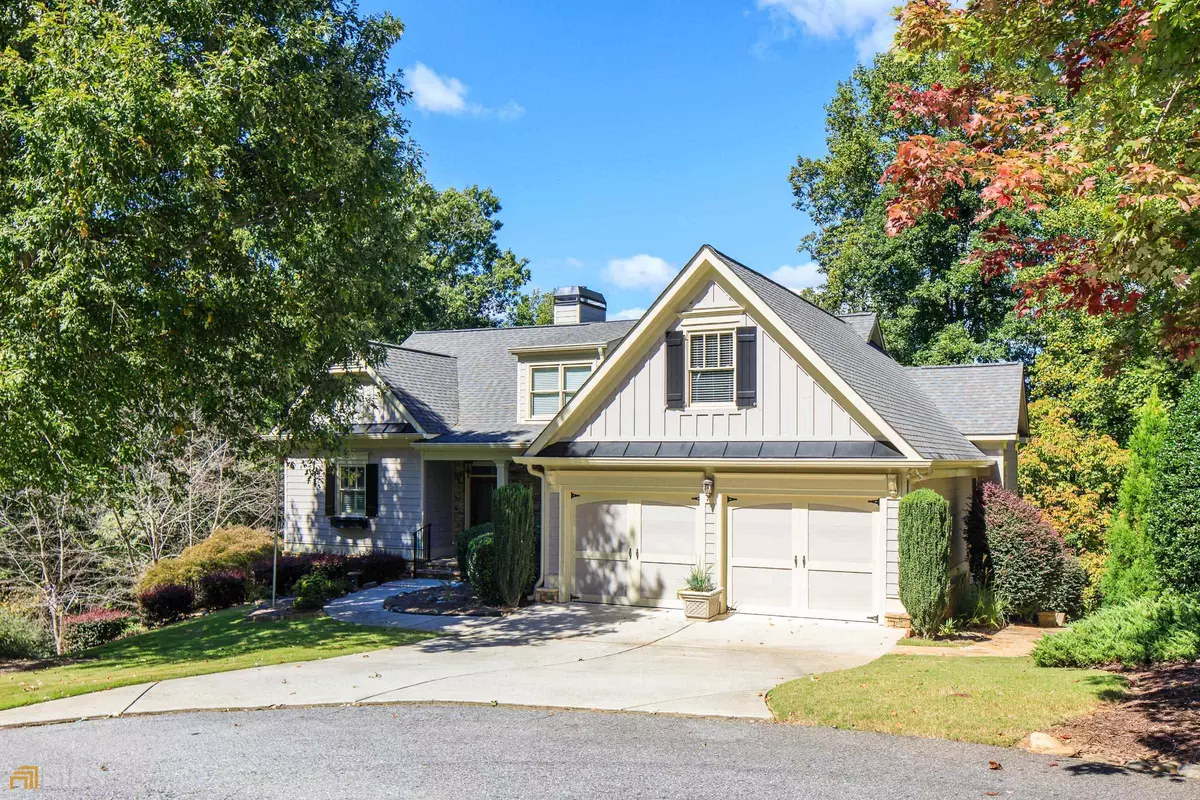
660 581
849 592
840 534
763 588
764 533
602 527
668 532
602 578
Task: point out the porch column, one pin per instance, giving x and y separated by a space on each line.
501 473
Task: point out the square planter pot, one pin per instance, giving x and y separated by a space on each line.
701 605
1051 619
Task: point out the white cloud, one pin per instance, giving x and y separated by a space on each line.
870 23
440 94
629 313
804 276
639 272
574 262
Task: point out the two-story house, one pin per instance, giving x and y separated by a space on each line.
735 423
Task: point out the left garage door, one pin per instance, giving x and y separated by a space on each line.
632 550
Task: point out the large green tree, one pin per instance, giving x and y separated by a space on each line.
201 210
461 277
934 306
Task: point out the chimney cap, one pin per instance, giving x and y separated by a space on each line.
574 294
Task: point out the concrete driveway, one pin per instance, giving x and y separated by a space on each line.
570 656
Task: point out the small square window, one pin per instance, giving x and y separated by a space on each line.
552 387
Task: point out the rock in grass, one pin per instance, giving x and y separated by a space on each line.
1046 744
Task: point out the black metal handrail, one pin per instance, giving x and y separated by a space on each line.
420 544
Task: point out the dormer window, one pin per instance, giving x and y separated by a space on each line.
710 368
552 386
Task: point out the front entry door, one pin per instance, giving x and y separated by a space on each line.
482 485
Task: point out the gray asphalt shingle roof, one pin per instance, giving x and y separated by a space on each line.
486 373
426 383
980 399
884 384
862 323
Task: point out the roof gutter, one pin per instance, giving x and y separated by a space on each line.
799 465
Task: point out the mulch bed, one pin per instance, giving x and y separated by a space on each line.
1159 719
456 599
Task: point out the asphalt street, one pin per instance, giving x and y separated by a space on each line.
496 752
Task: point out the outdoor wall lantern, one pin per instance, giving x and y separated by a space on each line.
706 488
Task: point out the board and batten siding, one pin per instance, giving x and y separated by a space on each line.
792 405
306 528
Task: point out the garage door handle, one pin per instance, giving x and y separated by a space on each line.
795 561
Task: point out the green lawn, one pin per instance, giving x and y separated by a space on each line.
213 643
914 641
993 700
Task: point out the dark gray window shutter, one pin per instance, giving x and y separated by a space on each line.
372 490
330 489
675 371
747 367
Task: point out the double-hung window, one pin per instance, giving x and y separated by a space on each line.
710 367
352 489
552 387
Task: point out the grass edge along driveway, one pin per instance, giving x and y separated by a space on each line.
987 699
216 642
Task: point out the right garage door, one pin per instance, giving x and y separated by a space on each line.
805 558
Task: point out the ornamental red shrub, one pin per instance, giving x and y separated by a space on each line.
1015 550
95 627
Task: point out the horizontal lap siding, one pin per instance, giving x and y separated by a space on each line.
552 531
791 405
892 509
307 528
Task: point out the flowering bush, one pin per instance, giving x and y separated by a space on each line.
164 604
95 627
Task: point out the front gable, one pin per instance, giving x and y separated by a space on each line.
798 396
790 403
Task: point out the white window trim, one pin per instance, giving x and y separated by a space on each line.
562 367
352 460
710 405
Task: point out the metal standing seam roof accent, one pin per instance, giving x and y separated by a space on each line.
799 450
884 384
486 374
980 399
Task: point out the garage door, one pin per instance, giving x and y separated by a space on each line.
810 558
633 551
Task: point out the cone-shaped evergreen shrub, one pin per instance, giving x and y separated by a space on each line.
1173 513
512 531
925 530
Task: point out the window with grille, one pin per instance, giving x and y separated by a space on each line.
352 490
552 387
710 367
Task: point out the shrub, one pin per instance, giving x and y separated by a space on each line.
227 548
512 522
464 543
1173 512
316 589
94 628
481 560
1024 558
165 603
290 568
23 636
1130 572
379 567
976 605
1072 586
925 530
1145 631
221 589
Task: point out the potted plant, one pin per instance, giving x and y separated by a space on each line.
701 599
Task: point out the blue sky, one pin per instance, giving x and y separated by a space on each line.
620 136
